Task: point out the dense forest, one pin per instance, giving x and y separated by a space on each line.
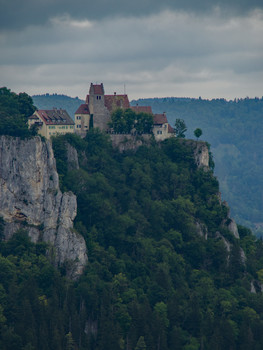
234 130
164 272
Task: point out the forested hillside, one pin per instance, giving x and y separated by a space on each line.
164 272
234 130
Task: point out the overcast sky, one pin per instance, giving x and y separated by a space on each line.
147 48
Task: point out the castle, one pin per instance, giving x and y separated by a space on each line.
95 113
98 107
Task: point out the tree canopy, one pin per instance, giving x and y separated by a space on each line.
14 112
124 121
180 128
198 132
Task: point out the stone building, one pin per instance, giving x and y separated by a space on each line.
97 110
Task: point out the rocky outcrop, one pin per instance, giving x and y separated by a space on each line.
72 157
232 227
225 241
201 154
31 198
201 229
126 142
230 223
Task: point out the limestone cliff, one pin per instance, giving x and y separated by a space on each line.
201 153
31 198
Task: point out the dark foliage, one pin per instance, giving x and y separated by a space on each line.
126 121
14 112
153 281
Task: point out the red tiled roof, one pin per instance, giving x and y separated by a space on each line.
98 89
55 116
160 119
170 129
116 101
142 109
83 109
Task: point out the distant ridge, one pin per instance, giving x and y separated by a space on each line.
48 101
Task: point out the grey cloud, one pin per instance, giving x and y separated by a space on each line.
16 14
169 54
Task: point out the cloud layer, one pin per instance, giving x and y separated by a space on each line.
18 14
160 52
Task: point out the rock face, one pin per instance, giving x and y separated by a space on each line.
31 198
72 157
201 154
126 142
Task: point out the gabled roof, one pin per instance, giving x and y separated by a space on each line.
83 109
160 119
96 89
142 109
116 101
55 116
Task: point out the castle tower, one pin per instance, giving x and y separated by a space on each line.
95 97
96 103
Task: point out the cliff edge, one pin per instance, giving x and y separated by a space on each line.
31 199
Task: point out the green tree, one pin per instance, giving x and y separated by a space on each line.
14 112
123 121
180 128
198 132
144 123
69 342
160 312
140 344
